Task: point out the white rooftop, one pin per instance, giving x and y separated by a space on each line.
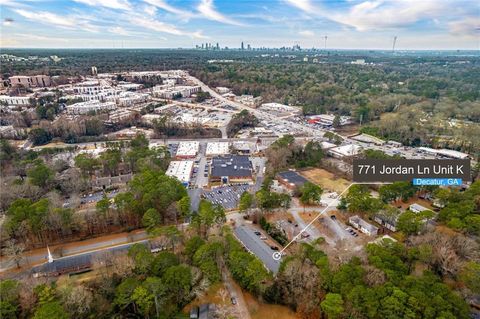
347 150
217 148
187 148
182 170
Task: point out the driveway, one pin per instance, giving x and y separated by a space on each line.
257 246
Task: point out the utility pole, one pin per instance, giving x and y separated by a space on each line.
394 42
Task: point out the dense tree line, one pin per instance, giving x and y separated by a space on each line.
240 121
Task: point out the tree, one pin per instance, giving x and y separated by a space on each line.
39 136
14 251
40 175
411 223
470 275
359 199
178 282
183 206
246 201
103 205
336 121
86 163
9 294
311 193
144 300
208 215
151 219
50 310
332 305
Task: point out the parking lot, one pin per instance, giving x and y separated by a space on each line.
227 196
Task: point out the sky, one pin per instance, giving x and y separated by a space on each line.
347 24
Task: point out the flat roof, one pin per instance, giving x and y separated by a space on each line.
231 165
445 152
182 170
187 148
418 207
363 223
347 150
217 148
293 177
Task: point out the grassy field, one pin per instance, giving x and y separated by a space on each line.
325 179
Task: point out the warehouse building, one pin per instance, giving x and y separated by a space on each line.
187 149
217 148
345 151
291 179
231 169
182 170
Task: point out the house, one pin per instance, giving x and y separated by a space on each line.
387 220
291 179
231 169
363 226
417 208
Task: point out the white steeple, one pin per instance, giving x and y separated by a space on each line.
50 257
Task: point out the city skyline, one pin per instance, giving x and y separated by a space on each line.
352 24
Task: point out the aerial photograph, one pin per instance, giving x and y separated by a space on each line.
240 159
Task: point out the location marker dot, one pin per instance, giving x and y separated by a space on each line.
277 255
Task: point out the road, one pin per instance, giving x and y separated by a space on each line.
257 246
37 256
316 132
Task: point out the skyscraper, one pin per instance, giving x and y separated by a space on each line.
242 47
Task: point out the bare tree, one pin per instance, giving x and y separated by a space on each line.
14 251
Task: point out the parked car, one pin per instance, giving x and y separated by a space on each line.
333 217
234 301
274 248
258 233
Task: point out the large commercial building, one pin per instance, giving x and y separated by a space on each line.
171 92
327 119
217 148
187 149
30 81
16 100
231 169
444 153
182 170
90 106
345 151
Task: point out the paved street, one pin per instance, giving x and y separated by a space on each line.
257 246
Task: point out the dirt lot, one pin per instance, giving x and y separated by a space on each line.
325 179
260 310
411 201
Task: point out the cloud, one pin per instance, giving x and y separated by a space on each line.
469 26
306 33
208 10
167 7
119 31
112 4
150 10
377 14
304 5
199 35
46 17
155 25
